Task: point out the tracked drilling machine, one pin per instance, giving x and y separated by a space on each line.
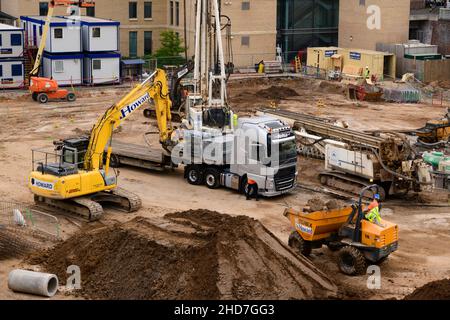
76 176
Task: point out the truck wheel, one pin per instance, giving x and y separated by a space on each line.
71 97
352 261
34 96
212 178
42 98
296 242
194 175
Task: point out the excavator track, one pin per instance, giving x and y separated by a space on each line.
348 184
82 206
132 201
89 207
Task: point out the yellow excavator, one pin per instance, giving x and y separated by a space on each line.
75 176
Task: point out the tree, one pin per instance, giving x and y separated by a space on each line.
171 49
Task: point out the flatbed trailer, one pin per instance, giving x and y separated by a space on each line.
141 156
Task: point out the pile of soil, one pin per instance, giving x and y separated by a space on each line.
186 255
436 290
277 93
317 204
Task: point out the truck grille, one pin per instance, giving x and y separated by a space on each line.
285 178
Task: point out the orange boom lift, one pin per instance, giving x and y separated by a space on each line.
44 89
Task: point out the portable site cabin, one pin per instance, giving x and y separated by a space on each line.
67 69
101 68
11 73
99 35
11 41
381 64
64 34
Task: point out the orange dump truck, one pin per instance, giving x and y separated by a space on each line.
359 241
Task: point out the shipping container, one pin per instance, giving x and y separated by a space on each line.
101 68
11 41
99 35
66 69
64 34
11 73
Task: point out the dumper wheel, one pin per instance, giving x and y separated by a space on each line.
42 98
296 242
351 261
71 97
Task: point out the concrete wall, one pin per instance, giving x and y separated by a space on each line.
353 29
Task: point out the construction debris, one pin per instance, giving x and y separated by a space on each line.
187 255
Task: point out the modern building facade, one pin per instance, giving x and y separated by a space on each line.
307 23
364 23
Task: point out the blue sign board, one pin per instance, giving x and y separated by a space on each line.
330 53
355 55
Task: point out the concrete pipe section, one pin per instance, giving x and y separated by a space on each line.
42 284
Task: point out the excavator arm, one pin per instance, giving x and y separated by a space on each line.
154 87
51 8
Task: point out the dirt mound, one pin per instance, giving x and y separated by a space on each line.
277 93
187 255
436 290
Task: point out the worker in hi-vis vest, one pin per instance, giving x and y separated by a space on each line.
367 73
373 210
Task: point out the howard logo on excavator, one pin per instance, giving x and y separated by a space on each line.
126 111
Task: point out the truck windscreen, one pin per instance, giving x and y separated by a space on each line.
288 151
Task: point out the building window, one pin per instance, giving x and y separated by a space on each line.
133 44
97 64
16 39
148 42
96 33
16 70
246 5
43 8
90 11
59 66
245 41
132 10
1 71
147 9
177 14
58 32
171 12
0 40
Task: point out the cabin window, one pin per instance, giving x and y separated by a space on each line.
0 40
43 8
97 64
59 66
132 14
16 70
147 10
96 32
245 41
1 71
58 33
16 39
245 5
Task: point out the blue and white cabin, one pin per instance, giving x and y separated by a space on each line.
99 35
11 41
66 69
64 34
101 68
11 73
